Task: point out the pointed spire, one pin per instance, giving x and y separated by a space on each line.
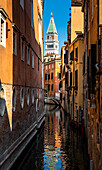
52 27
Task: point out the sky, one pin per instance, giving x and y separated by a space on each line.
61 10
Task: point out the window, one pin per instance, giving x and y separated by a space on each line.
2 31
61 68
28 56
59 76
49 46
49 66
52 76
45 76
70 79
14 43
48 76
40 31
76 51
22 98
50 37
52 66
48 87
32 96
72 55
32 21
52 87
76 79
27 96
22 3
22 50
59 86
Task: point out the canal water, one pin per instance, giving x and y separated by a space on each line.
58 146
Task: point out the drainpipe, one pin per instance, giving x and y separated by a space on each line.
100 78
73 82
97 58
101 99
86 65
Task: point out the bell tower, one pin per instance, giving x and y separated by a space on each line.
51 43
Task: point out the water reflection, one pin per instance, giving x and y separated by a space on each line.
57 147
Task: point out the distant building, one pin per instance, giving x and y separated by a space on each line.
64 76
72 64
21 52
52 61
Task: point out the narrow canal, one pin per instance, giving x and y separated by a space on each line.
57 146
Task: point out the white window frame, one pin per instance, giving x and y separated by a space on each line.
3 40
22 4
15 41
32 60
22 50
28 55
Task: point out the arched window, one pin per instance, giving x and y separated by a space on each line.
27 96
14 100
32 96
22 98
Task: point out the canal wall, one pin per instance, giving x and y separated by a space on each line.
19 125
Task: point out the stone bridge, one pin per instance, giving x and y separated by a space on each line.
51 100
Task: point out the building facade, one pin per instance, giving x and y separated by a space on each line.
52 61
21 52
72 64
92 75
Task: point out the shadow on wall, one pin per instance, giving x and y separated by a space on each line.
5 132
